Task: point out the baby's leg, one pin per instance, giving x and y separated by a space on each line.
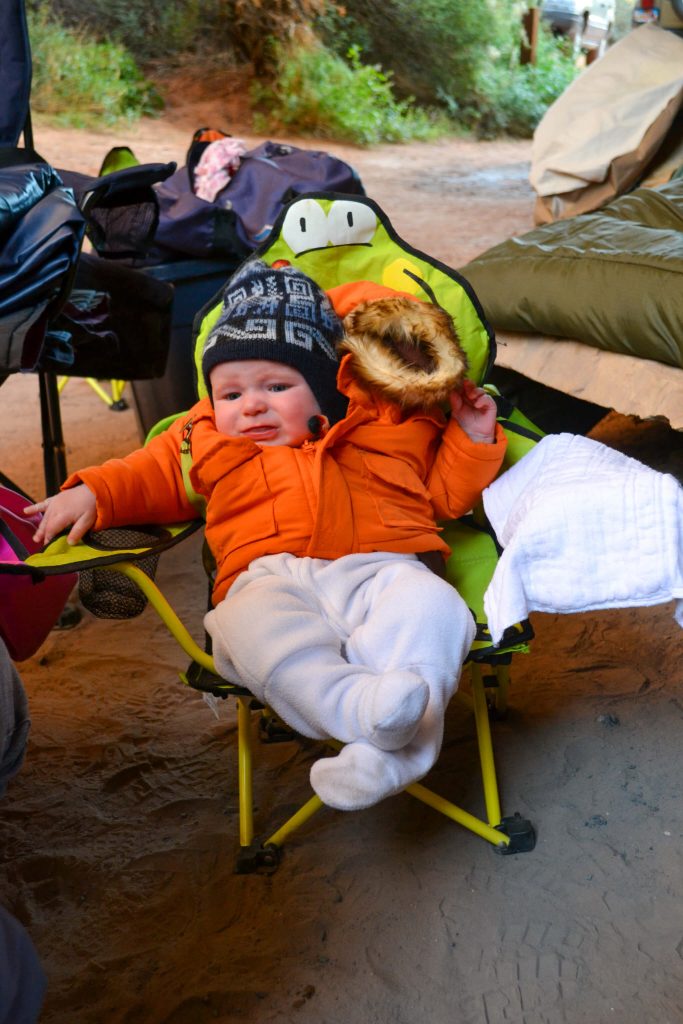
361 774
441 631
272 631
414 621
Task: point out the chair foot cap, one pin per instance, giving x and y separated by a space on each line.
257 859
521 833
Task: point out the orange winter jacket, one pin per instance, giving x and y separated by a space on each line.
379 480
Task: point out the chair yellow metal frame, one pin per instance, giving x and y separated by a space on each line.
506 834
113 398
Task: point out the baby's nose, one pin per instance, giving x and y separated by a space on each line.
254 402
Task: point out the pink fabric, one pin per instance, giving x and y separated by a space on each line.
216 166
28 610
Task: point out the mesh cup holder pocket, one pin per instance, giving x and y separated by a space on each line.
111 595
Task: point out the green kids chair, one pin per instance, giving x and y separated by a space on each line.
337 239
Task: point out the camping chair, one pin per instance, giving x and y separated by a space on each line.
336 239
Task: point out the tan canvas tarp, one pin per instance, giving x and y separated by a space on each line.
635 387
597 138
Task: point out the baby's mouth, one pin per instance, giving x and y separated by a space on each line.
264 432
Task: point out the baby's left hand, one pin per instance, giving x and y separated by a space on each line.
475 411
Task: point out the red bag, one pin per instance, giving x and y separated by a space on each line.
29 607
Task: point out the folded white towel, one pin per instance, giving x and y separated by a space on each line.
583 527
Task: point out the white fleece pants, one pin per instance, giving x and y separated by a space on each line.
366 649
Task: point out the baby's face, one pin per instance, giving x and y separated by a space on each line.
268 402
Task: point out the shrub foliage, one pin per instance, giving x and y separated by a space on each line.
317 93
158 29
79 81
363 72
463 57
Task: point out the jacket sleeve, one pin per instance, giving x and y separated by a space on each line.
144 487
462 469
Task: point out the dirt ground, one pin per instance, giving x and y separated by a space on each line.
118 838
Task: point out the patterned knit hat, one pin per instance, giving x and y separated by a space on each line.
280 315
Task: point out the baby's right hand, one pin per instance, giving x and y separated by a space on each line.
76 507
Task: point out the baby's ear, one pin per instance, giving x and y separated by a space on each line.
318 426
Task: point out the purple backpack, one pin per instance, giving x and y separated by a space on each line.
29 606
242 214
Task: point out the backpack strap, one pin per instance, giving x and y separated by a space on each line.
197 500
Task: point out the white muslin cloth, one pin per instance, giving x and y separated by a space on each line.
583 527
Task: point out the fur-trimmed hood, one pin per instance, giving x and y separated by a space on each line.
405 350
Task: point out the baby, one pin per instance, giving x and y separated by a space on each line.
324 489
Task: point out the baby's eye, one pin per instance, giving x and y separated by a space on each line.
232 396
279 387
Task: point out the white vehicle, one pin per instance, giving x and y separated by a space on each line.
588 23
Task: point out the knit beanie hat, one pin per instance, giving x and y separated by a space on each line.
280 315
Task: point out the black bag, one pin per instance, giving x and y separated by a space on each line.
40 238
118 322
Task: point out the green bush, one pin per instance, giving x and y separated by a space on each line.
364 85
434 49
148 29
319 94
511 98
166 30
83 83
464 58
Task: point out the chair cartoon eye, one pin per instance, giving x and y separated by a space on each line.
305 226
351 223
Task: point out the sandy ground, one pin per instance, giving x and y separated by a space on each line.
118 838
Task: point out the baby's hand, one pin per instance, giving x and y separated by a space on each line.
476 412
76 508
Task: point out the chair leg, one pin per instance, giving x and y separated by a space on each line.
488 768
245 771
113 399
117 389
519 832
266 856
54 450
298 819
457 814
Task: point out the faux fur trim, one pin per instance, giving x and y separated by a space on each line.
407 351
